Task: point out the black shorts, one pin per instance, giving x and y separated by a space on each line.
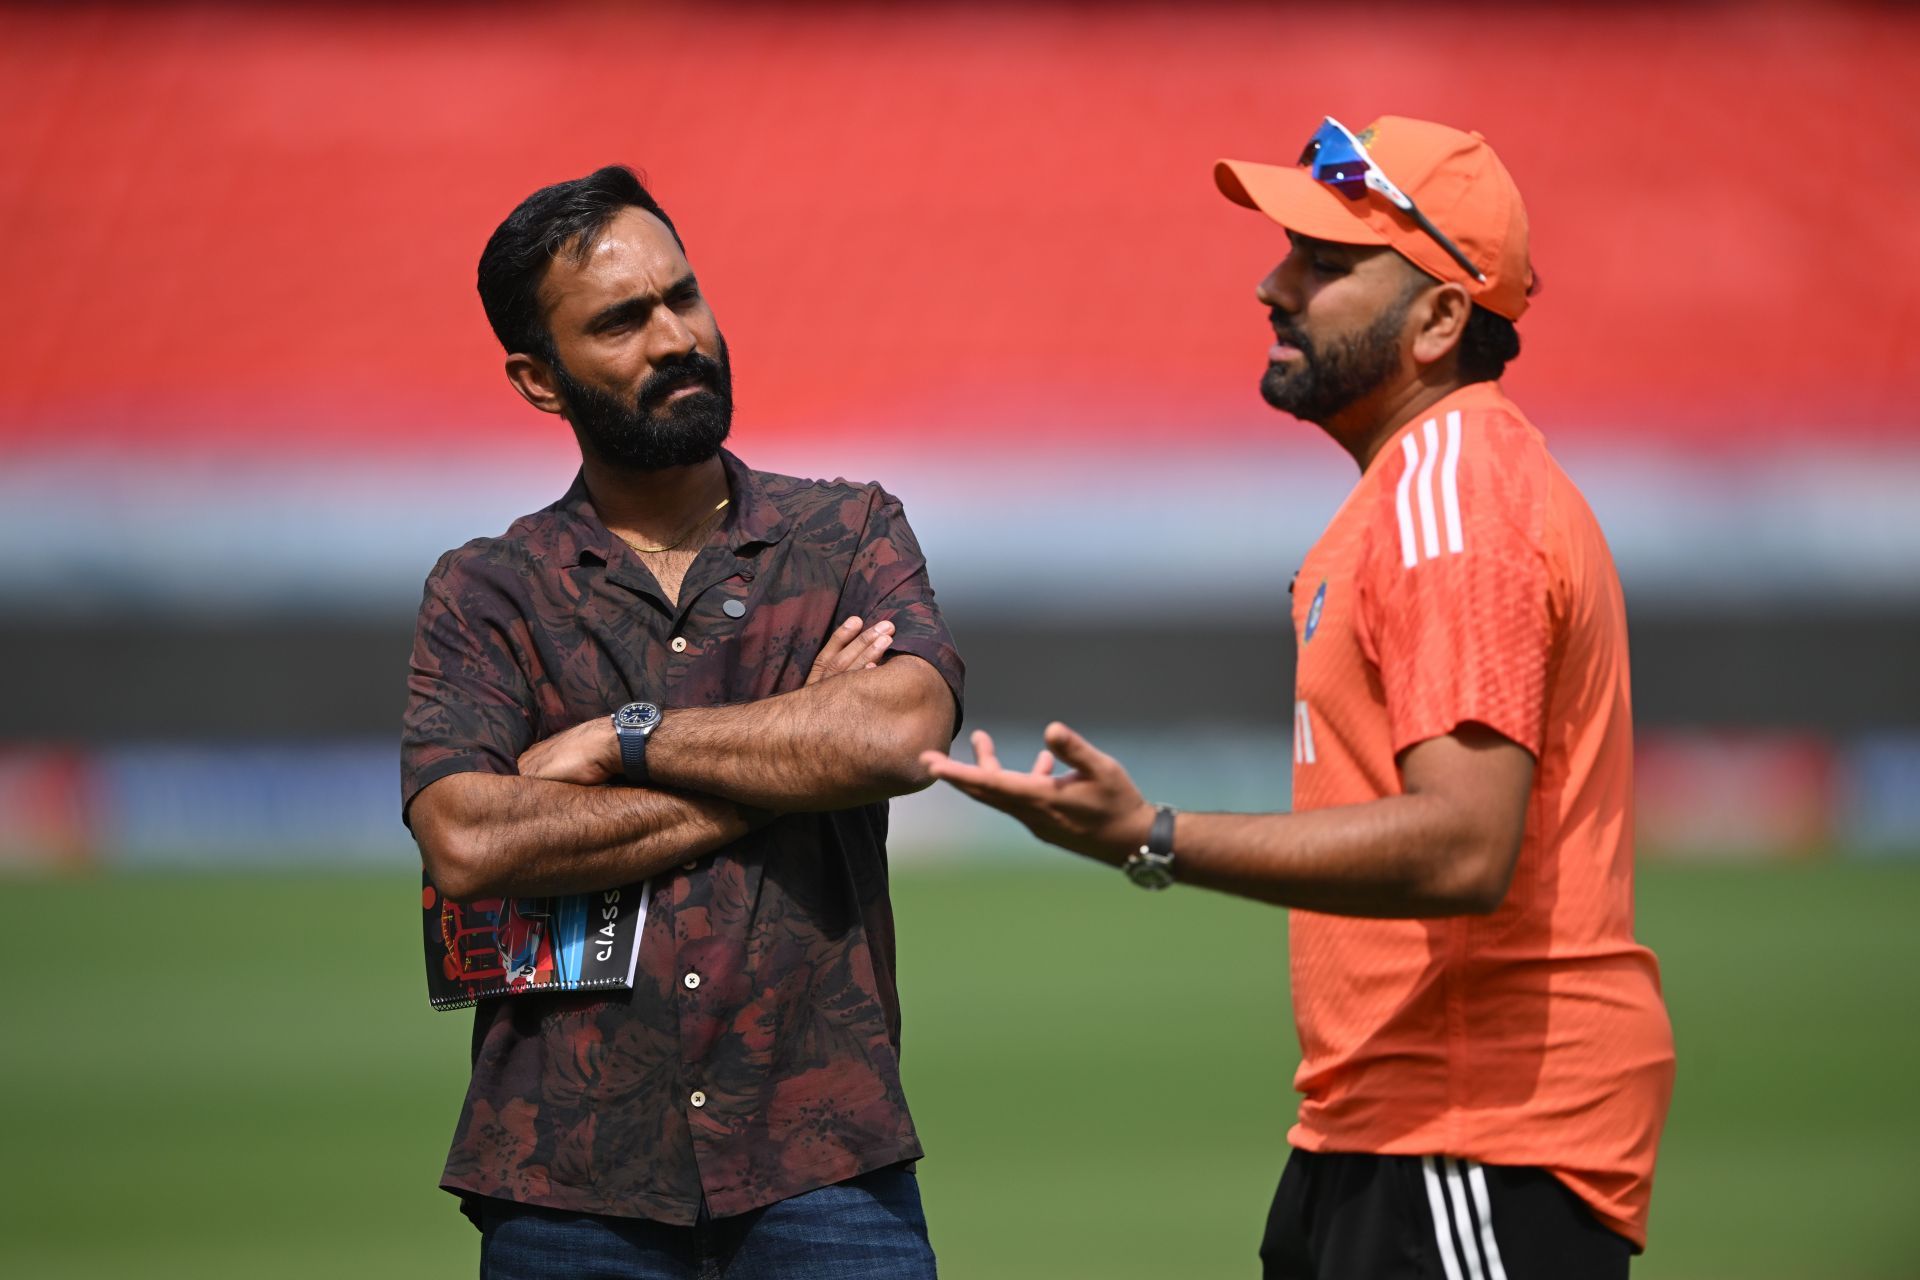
1363 1217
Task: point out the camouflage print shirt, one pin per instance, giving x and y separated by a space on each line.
792 1036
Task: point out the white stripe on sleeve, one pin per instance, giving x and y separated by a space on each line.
1442 1234
1408 553
1429 531
1304 718
1450 484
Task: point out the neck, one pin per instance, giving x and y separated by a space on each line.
1364 427
653 505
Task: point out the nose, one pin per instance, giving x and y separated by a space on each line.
1277 291
668 337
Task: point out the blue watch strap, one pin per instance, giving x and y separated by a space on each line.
633 724
633 755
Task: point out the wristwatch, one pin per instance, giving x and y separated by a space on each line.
633 724
1151 866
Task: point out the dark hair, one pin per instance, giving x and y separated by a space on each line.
1486 345
563 218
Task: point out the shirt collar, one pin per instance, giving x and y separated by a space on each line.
753 518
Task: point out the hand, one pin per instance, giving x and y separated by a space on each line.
851 649
1095 810
587 754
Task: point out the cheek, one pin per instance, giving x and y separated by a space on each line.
706 332
616 363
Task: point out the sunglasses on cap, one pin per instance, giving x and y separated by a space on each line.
1334 156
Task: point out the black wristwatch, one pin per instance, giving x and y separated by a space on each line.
633 724
1151 866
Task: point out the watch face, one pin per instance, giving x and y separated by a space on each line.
636 715
1150 871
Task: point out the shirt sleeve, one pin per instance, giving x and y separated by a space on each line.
1454 591
888 582
468 701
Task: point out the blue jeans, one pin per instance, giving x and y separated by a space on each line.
868 1228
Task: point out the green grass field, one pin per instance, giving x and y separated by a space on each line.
1100 1075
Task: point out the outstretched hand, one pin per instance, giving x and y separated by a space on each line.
1094 809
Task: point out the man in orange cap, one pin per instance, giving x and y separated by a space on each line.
1486 1059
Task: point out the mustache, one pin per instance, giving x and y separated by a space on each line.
692 370
1284 331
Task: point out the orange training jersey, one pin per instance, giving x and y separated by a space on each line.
1466 580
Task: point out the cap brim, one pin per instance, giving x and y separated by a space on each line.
1293 199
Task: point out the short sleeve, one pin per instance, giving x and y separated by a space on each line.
468 702
1454 591
888 582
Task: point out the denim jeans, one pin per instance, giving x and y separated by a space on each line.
868 1228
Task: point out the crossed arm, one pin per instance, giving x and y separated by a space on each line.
1445 846
851 735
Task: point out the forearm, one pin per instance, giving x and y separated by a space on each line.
1405 856
486 835
843 742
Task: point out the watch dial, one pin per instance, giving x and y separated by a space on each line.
637 715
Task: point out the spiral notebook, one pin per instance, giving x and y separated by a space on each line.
516 946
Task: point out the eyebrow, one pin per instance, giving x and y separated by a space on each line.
639 306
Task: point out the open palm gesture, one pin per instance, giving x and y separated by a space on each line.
1093 809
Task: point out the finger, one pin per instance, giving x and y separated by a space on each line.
842 638
993 799
1003 783
1043 764
1076 751
872 647
983 750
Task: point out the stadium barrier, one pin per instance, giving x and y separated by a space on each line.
1720 795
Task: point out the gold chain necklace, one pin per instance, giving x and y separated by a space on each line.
685 534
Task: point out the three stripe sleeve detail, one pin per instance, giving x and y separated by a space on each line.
1415 492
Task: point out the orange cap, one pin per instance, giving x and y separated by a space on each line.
1453 177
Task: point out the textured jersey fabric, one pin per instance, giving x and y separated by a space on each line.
1464 579
791 1035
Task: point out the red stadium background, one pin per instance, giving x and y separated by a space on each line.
974 251
230 227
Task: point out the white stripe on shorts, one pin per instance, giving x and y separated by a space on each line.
1442 1233
1462 1221
1483 1204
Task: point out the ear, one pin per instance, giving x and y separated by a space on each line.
533 378
1440 320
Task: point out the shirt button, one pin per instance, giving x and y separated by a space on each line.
698 1099
692 980
679 644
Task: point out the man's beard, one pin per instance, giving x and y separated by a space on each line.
649 434
1321 383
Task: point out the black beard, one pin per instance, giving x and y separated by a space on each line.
1326 382
649 434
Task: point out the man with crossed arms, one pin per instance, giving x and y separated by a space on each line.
664 676
1486 1059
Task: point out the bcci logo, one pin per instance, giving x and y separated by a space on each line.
1313 612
